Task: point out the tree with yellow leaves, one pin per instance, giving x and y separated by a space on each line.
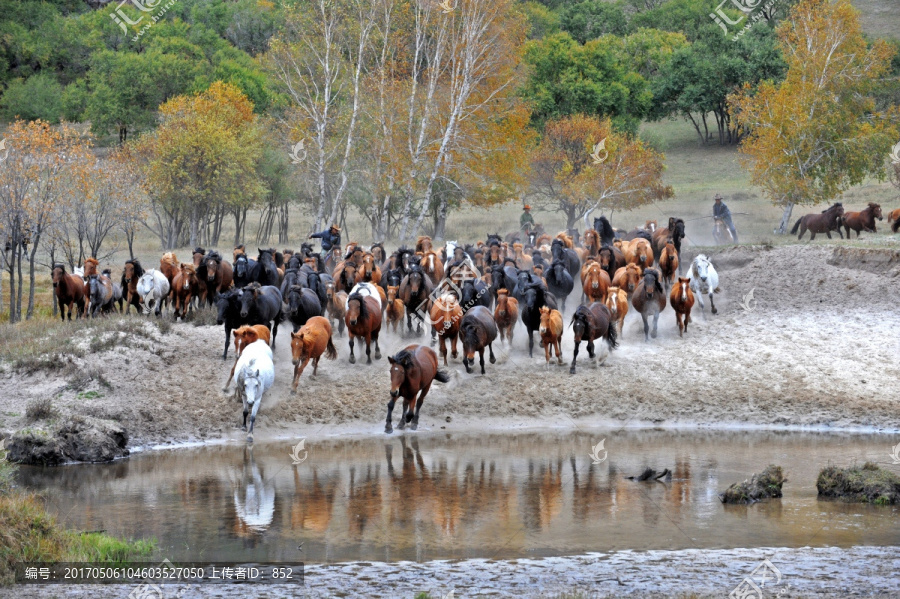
816 134
201 165
583 163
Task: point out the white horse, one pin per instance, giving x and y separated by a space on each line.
704 281
153 288
254 497
254 374
367 289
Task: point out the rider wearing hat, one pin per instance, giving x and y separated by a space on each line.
720 210
330 237
526 221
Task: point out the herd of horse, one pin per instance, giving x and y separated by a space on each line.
468 294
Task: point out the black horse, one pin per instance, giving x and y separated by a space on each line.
303 304
535 297
590 323
315 282
559 251
560 282
266 272
262 305
415 290
474 293
228 305
244 269
501 280
605 230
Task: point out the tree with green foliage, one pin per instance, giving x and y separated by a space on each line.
569 78
541 20
38 97
591 19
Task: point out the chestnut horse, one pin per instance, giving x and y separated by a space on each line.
169 266
432 266
244 336
69 291
675 230
446 315
423 244
551 332
682 300
413 370
200 272
611 259
596 283
131 274
363 320
505 315
829 220
478 330
591 243
219 275
668 263
617 303
309 343
649 299
627 278
864 220
638 251
589 323
337 305
394 312
894 217
368 271
184 287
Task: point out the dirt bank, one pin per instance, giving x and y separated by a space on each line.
816 346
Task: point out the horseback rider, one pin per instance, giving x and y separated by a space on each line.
721 211
526 221
331 237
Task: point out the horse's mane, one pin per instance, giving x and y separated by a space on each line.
106 272
363 309
60 266
199 250
94 262
583 315
214 255
404 358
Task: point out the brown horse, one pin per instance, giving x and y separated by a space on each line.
345 275
827 221
478 330
627 278
69 291
589 323
337 305
446 315
368 270
200 270
864 220
894 217
668 263
617 303
638 251
423 244
506 313
131 274
168 266
184 288
219 275
432 266
244 336
309 343
675 230
682 300
551 333
394 311
413 370
649 299
523 261
591 242
596 284
611 259
363 320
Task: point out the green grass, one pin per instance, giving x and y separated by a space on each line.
865 484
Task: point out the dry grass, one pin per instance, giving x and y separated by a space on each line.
765 485
866 484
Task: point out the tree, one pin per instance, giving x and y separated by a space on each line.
38 97
568 78
36 180
815 134
568 179
201 164
591 19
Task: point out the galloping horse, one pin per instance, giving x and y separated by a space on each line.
363 320
477 330
309 343
244 269
639 251
827 221
369 271
266 273
589 323
505 315
185 287
394 311
255 375
345 275
201 293
303 304
560 281
595 283
413 370
415 290
894 219
649 299
244 336
591 243
379 254
682 300
100 295
337 305
560 251
668 263
432 266
219 275
69 291
168 266
551 332
262 305
228 306
604 229
131 274
675 230
611 259
423 244
534 298
446 316
617 302
864 220
704 281
627 278
153 288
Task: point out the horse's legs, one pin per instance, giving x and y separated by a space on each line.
548 351
687 319
274 331
453 341
368 348
574 358
509 332
481 357
227 339
433 336
443 349
712 304
678 321
415 418
377 348
387 426
408 320
253 418
246 411
298 370
828 234
352 357
530 342
590 348
655 321
491 352
316 367
646 327
558 346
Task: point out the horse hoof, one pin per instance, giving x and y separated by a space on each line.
413 426
653 334
493 360
353 359
377 355
249 438
294 391
572 370
468 370
388 429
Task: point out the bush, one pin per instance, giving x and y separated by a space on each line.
38 97
40 409
868 484
760 486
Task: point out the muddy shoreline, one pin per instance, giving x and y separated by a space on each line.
814 350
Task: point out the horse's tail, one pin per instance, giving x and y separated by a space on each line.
612 334
796 225
442 376
717 290
330 350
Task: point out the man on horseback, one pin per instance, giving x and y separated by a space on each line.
721 211
526 221
330 237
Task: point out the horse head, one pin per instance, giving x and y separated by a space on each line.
248 297
400 362
416 279
187 276
241 266
651 283
701 267
545 320
223 303
58 274
875 209
356 308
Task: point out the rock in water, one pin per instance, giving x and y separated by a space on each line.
80 439
760 486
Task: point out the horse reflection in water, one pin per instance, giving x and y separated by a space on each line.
313 501
254 499
543 500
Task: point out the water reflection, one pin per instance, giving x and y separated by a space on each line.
451 496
